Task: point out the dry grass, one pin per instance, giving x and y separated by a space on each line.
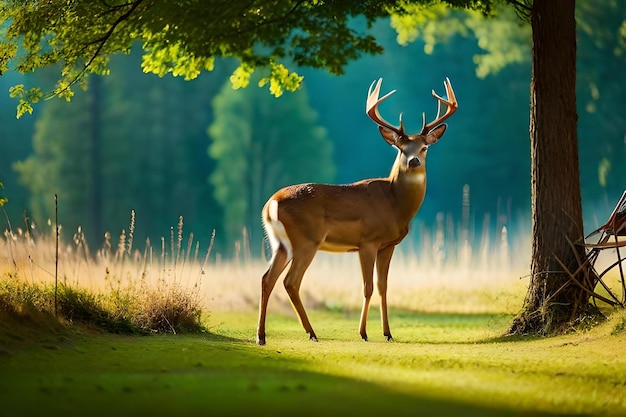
436 275
154 284
166 287
334 282
117 289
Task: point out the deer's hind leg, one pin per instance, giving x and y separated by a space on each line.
277 266
301 260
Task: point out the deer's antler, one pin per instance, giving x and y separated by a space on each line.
373 101
451 104
371 108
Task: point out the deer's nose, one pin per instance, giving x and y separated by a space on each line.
414 162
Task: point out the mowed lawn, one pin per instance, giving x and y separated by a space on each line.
439 364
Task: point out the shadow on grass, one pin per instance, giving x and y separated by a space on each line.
26 326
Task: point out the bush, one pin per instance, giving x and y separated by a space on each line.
130 309
141 292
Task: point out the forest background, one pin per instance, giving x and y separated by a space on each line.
166 147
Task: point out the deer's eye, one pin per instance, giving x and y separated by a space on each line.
424 149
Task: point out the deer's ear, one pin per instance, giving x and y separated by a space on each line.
435 134
390 136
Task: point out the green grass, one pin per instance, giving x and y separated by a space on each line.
440 364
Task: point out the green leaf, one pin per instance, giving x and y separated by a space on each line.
241 76
3 200
16 91
23 107
281 79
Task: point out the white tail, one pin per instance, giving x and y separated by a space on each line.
369 217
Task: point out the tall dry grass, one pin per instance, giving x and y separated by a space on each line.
444 268
144 289
166 286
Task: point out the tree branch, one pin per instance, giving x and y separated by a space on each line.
271 21
101 41
112 8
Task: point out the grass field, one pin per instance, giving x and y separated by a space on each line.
440 364
449 357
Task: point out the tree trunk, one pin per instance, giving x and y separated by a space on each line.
553 298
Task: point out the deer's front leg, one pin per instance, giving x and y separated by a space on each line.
367 256
383 259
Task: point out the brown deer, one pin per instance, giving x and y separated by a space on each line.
369 217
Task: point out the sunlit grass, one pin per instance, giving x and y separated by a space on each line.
464 358
440 364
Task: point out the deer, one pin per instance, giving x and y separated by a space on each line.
370 216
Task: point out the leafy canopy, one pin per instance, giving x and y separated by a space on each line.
184 37
504 41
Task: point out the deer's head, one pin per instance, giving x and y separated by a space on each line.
412 147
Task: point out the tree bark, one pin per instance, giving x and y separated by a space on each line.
553 299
